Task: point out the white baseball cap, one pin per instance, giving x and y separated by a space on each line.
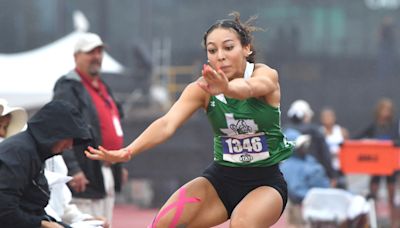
300 109
19 117
87 42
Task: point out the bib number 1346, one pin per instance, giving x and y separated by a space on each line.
249 144
246 145
245 148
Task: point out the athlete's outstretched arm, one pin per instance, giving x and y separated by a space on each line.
263 81
192 98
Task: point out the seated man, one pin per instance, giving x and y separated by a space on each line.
24 192
302 173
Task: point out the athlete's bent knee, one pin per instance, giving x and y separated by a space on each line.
239 222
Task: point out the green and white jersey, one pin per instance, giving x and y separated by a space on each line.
246 132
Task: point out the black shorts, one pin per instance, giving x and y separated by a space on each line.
234 183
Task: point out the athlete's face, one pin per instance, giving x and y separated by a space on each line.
225 52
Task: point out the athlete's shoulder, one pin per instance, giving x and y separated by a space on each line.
193 89
261 69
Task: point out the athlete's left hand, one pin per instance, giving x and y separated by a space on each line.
213 81
121 155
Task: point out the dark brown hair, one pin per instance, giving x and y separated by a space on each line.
244 31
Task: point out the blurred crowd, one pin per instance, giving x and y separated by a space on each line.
316 161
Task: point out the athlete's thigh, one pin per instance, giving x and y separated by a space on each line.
196 204
261 207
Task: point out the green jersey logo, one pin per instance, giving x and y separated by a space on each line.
237 127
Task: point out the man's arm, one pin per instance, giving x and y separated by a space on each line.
64 90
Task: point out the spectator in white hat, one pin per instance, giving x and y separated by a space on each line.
300 111
300 115
12 119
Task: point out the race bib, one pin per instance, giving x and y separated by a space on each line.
245 148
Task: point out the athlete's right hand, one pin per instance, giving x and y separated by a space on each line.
213 81
121 155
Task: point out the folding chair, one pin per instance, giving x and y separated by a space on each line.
328 207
